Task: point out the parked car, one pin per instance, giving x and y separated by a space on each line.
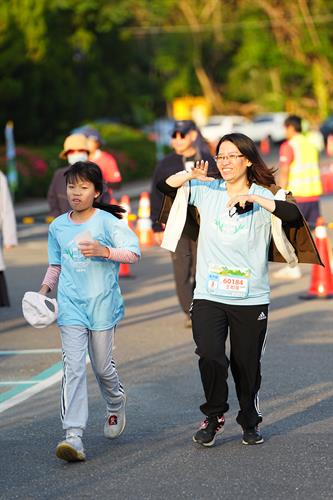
219 125
265 125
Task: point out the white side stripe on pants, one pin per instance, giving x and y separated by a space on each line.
256 398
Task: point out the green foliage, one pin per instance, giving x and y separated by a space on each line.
33 169
63 62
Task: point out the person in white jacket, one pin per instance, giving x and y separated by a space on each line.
7 232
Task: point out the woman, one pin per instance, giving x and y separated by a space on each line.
232 287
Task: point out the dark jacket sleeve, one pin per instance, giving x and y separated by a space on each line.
169 165
53 193
156 199
164 188
287 212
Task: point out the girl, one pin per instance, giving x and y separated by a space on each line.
85 248
232 286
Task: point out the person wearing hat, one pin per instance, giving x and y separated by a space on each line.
75 149
106 162
186 151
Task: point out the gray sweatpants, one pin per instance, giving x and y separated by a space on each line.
76 342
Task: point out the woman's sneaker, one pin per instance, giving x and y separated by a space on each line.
209 429
252 436
71 449
116 422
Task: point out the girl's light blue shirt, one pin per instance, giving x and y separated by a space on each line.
240 242
88 291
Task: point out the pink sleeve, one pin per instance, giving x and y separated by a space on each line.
51 276
286 155
122 255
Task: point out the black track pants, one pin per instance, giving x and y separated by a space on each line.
211 322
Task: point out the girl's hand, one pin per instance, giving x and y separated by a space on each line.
200 171
93 249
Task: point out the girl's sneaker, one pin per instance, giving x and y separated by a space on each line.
116 422
209 429
71 449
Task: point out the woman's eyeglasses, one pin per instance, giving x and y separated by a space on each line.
231 157
181 134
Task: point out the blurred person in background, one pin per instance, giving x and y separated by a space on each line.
75 149
313 135
7 233
106 162
188 147
299 173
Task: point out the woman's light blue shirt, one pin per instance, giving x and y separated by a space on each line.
237 243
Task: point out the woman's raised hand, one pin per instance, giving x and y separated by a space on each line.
200 171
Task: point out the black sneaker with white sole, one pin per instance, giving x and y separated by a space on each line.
209 429
252 436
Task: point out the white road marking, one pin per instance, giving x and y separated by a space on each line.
31 391
18 382
29 351
40 382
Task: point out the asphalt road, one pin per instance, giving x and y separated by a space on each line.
155 458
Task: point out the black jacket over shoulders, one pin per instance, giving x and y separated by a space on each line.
169 165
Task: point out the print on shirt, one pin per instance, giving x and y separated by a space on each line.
73 254
231 227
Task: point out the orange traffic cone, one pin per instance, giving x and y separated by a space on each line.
126 204
143 226
321 286
329 145
326 176
125 268
265 146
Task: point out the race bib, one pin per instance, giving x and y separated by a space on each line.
227 282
